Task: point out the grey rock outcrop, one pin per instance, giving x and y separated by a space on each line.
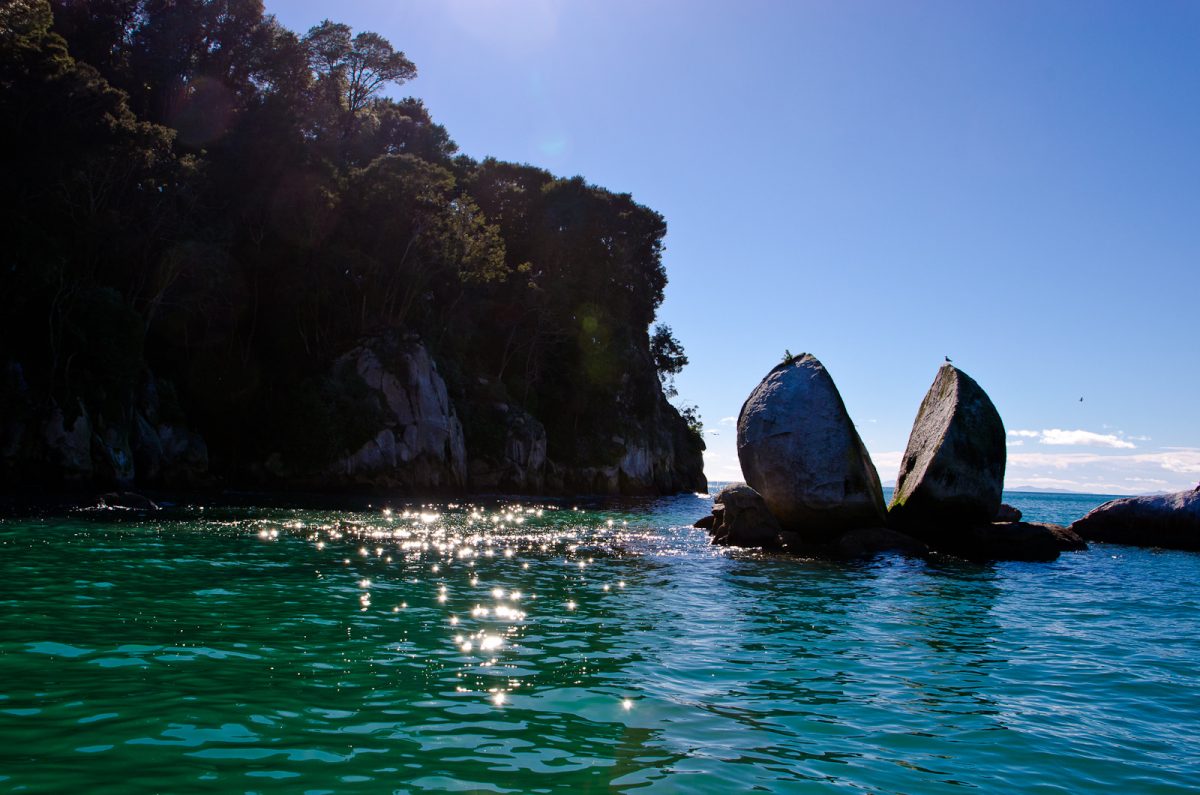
740 518
1170 521
800 451
68 444
659 463
112 458
164 451
419 444
952 471
118 443
520 464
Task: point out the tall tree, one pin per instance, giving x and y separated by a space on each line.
351 70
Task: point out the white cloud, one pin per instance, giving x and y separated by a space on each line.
721 461
727 421
1184 460
1171 469
1156 482
1076 438
1061 460
1088 438
888 463
1016 443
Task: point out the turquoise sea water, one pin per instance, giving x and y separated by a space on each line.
533 647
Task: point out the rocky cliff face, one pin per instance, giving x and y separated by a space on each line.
75 444
655 456
640 446
385 419
661 455
418 443
517 464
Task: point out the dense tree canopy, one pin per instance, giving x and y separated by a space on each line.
193 190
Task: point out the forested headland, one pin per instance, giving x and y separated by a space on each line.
230 258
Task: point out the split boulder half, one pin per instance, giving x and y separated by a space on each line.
952 472
800 451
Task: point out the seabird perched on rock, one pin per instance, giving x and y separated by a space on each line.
949 360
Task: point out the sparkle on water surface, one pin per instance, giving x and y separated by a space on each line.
529 647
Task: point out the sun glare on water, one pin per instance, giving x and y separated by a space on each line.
405 551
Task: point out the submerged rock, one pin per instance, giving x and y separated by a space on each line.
1170 521
800 451
1034 542
862 543
952 472
740 518
1007 513
871 542
128 500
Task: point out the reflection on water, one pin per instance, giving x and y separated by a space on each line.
539 647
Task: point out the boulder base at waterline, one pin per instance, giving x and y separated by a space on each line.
740 519
953 468
800 451
1171 521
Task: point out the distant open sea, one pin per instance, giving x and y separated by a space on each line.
534 646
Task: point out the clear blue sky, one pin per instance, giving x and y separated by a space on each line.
1014 184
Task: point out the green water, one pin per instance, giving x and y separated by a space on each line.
537 648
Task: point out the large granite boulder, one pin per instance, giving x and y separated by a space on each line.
740 518
952 472
800 451
1170 521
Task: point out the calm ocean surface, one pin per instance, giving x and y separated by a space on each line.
533 647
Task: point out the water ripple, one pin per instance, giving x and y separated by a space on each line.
540 647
